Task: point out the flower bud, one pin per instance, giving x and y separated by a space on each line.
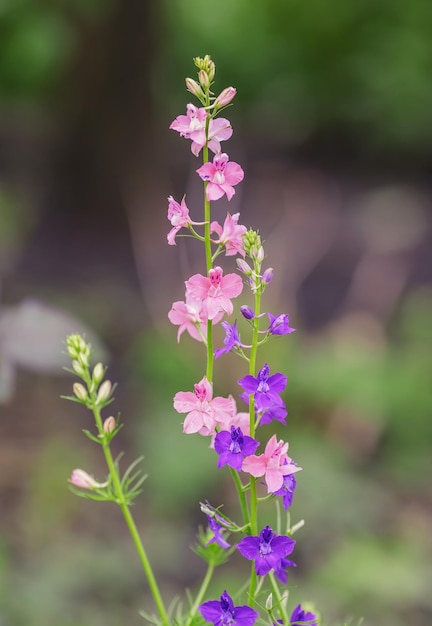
258 254
104 392
80 391
267 276
80 478
244 267
77 368
225 97
109 424
203 79
269 602
98 373
194 88
247 312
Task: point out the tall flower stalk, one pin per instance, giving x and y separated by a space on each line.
235 435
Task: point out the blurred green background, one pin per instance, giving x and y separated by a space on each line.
333 126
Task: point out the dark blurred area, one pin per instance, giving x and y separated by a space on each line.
333 127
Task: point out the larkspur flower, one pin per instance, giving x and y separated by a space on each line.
233 447
83 480
178 215
274 464
193 125
287 490
300 616
279 324
223 612
216 529
191 316
266 388
267 550
231 341
204 411
230 234
221 176
215 291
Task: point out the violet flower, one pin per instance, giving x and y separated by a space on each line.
266 388
223 612
279 324
267 550
216 529
233 447
299 616
231 341
287 490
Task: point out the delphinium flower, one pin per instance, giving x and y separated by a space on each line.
299 617
267 550
204 411
287 490
279 324
215 290
266 391
190 315
231 341
230 234
193 125
233 447
221 176
274 464
178 215
216 528
223 612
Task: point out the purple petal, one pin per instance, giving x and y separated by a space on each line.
249 547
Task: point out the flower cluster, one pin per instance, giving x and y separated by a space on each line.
259 465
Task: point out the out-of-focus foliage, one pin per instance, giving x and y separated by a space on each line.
360 67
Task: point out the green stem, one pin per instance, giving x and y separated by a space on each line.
205 583
241 495
131 523
279 599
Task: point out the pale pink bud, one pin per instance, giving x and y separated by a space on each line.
104 392
204 79
109 424
244 267
211 68
194 88
98 373
225 97
80 478
80 391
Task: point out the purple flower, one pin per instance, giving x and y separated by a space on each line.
287 490
299 616
232 339
268 550
281 572
276 413
266 389
224 613
279 324
233 447
216 529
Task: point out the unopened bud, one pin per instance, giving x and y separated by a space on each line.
194 88
225 97
104 391
77 367
80 391
267 276
247 312
244 267
109 424
269 602
98 373
83 480
203 79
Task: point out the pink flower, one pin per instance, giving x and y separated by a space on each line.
230 235
190 316
222 174
178 215
204 411
80 478
193 125
215 291
274 464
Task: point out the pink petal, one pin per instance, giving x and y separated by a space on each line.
232 285
214 192
193 422
185 401
233 173
254 465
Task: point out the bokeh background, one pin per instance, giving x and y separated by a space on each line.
333 126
